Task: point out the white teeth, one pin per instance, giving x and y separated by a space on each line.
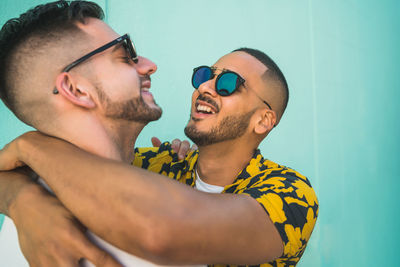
205 109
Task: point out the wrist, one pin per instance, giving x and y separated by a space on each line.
20 197
22 148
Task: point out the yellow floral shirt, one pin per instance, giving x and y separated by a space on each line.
286 195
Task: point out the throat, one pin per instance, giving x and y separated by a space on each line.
221 163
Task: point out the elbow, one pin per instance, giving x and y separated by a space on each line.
166 237
157 244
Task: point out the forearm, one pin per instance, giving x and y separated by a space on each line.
115 200
149 215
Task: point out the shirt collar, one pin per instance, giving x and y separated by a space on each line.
254 167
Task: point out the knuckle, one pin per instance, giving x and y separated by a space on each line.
176 141
101 258
186 143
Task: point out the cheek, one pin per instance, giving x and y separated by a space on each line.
234 106
121 85
114 71
194 96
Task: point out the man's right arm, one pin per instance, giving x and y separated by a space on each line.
146 214
49 234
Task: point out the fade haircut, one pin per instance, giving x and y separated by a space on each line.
273 73
31 34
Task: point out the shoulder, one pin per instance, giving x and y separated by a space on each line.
288 198
146 156
164 160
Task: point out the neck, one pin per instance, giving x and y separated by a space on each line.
105 138
220 163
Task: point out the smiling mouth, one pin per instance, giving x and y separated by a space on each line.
204 109
145 83
206 106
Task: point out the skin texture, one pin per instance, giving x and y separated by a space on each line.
64 227
136 227
130 203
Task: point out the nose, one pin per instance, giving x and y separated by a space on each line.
145 66
208 88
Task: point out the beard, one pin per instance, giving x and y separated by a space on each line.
134 109
229 128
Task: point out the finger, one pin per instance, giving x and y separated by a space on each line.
184 148
175 144
63 261
155 141
96 255
55 256
102 259
194 147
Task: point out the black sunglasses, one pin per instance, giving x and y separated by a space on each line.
227 81
125 39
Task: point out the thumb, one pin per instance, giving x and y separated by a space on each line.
155 141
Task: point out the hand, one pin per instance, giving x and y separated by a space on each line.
11 155
9 158
49 235
181 147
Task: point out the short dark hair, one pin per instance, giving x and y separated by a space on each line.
45 23
274 72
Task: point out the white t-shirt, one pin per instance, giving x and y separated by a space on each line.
208 188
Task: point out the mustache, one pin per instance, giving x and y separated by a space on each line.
208 100
144 78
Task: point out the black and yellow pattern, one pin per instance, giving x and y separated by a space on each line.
286 195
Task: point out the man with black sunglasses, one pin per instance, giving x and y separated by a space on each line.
60 66
267 211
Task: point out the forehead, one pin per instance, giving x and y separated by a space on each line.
98 31
244 64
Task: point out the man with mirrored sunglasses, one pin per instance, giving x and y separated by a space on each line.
266 211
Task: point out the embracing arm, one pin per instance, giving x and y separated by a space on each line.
49 235
149 215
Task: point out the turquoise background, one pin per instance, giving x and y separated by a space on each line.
341 129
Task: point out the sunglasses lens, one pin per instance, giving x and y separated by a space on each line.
201 75
227 83
131 49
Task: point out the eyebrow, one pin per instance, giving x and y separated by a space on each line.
223 69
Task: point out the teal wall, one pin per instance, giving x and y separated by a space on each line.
341 128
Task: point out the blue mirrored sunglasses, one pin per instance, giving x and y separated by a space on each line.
226 83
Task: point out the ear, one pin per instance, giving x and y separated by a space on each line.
265 122
78 95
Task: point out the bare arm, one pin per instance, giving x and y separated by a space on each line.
149 215
11 183
49 235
